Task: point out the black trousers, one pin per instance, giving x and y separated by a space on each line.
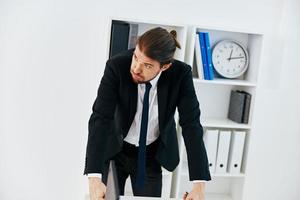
126 165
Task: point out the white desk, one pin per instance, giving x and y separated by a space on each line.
145 198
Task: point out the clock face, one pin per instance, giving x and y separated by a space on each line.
230 59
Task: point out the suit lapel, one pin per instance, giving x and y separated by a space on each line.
133 101
162 91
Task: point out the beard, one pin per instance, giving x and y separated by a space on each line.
142 79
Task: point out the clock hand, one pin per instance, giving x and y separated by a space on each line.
230 55
236 57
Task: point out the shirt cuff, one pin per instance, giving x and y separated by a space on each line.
98 175
199 181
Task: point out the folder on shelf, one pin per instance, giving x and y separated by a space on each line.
223 151
119 37
236 151
211 137
208 57
203 55
198 57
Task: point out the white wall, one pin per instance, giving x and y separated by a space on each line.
274 171
52 55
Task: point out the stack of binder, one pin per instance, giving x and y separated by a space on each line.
203 57
224 150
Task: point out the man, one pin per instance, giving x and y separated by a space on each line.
133 119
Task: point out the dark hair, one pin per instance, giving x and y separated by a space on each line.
158 44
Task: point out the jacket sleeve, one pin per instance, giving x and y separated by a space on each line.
192 131
100 123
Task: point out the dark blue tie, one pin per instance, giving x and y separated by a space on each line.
141 169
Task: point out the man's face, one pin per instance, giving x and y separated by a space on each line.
143 68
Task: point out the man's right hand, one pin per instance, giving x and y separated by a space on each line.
97 188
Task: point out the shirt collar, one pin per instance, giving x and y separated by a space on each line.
155 80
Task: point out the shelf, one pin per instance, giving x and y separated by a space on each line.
227 175
220 81
223 123
186 173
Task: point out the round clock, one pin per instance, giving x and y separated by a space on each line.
230 58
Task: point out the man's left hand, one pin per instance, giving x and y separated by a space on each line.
197 192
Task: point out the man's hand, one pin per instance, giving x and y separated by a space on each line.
97 188
197 192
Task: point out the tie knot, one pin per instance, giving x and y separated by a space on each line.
148 86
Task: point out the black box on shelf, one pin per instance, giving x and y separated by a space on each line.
239 106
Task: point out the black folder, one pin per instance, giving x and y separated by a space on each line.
119 37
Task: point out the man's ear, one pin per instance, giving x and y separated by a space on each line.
166 66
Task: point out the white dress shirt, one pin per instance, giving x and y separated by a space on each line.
153 129
153 124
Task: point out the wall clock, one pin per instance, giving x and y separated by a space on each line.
230 58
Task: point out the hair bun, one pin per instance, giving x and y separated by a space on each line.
173 33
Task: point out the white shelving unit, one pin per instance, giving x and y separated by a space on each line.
214 96
220 81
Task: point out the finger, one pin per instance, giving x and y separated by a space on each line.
102 194
189 197
184 196
101 198
93 195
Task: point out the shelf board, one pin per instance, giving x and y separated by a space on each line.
184 170
223 123
220 81
227 175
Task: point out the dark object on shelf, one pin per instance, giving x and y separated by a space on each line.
119 37
239 106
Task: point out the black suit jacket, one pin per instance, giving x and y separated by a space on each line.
115 107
